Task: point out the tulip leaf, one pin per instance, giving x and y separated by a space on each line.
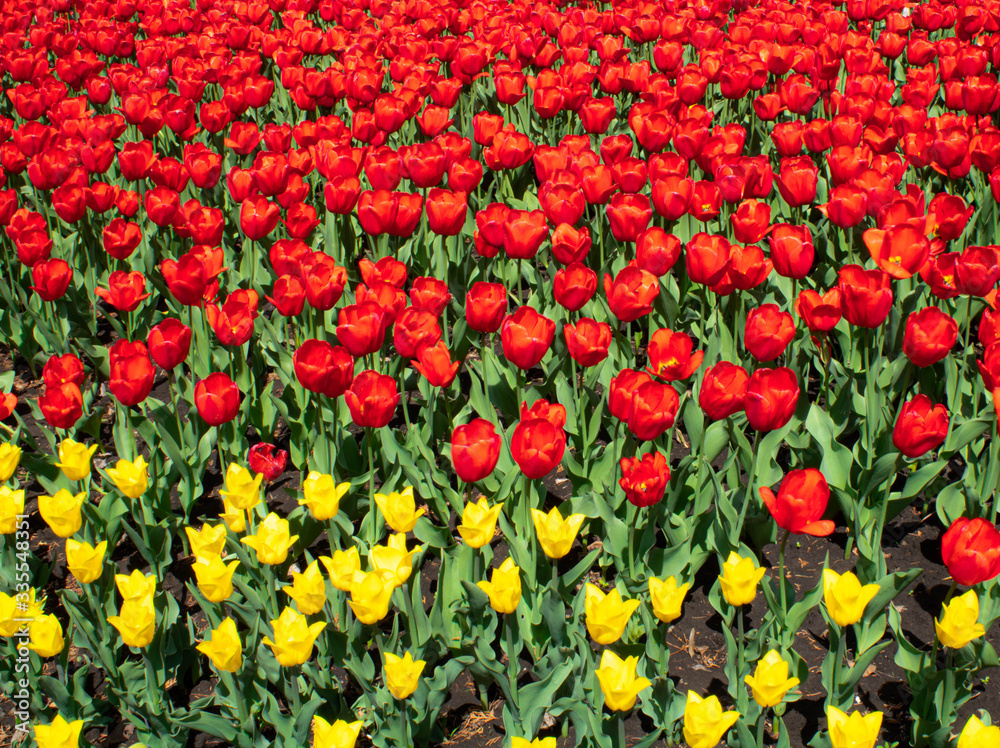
837 459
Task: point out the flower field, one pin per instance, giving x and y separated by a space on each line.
467 372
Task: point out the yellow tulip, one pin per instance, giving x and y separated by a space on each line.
704 721
10 613
402 674
130 477
845 598
46 636
208 540
223 647
10 456
62 512
399 509
59 733
342 567
74 459
84 561
667 597
215 577
394 559
136 621
739 580
322 495
340 734
272 540
504 587
607 615
235 519
370 597
536 743
770 681
11 506
556 534
308 589
242 489
619 682
959 622
293 637
975 734
479 523
135 585
856 731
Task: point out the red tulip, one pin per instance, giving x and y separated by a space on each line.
971 550
791 250
929 335
820 313
434 362
485 306
622 392
657 251
361 328
169 343
628 215
800 503
723 390
372 399
323 367
526 336
132 372
772 395
707 258
267 460
768 332
900 251
866 295
537 446
217 399
574 285
920 426
670 355
233 323
125 290
644 480
430 294
750 221
61 404
587 341
258 217
51 279
475 449
654 408
65 369
632 293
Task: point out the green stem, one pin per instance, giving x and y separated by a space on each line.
760 728
781 566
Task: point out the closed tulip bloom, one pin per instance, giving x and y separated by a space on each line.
61 512
124 291
130 477
971 550
524 231
929 336
361 328
854 731
820 313
51 279
136 621
750 221
667 597
402 674
707 258
11 507
920 427
670 355
342 567
723 390
845 598
485 306
976 271
555 534
618 680
800 503
46 636
208 540
258 217
975 734
74 459
323 367
62 405
768 332
654 409
293 638
322 495
217 399
132 372
504 587
399 509
657 251
959 622
372 399
739 579
272 540
628 216
136 585
10 456
537 446
370 597
526 336
607 615
772 395
435 364
59 733
587 341
215 577
644 479
704 721
169 343
479 522
308 589
340 734
573 286
631 294
770 681
392 560
866 295
242 487
475 450
223 647
792 250
235 519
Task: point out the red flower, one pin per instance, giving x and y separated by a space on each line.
217 399
654 408
920 427
707 258
800 503
475 449
866 295
233 323
8 402
976 271
125 290
537 446
587 341
434 362
62 370
622 392
768 332
372 399
323 367
267 460
132 372
632 293
258 217
670 356
628 215
900 251
772 395
61 404
446 211
361 328
971 550
792 250
644 480
750 221
51 279
169 343
820 313
929 335
526 336
657 251
574 285
485 306
186 278
523 233
723 390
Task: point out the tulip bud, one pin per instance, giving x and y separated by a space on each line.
130 477
667 597
959 623
504 587
555 534
854 731
74 459
62 512
704 721
618 680
84 561
770 681
845 598
223 647
739 579
402 674
607 615
215 577
308 590
293 637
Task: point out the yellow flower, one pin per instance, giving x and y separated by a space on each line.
10 613
215 577
224 647
959 622
59 734
607 615
504 587
293 637
393 558
136 621
11 505
399 509
322 495
704 721
370 596
308 589
739 580
235 519
555 534
74 459
84 561
479 522
340 734
130 477
46 636
977 735
536 743
342 567
855 731
272 540
62 512
667 597
618 681
845 598
242 487
770 681
135 585
402 674
208 540
10 455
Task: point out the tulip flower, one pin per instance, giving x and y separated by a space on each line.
536 743
272 540
46 636
342 567
607 615
62 405
704 721
136 585
977 735
136 621
370 596
845 598
132 372
62 512
654 409
768 332
959 622
209 540
631 294
772 395
242 489
293 637
10 456
372 399
267 460
920 426
223 647
59 733
475 449
308 589
217 399
74 459
770 681
555 534
235 519
11 508
402 674
504 587
800 503
392 560
644 479
84 561
399 509
723 390
619 682
130 477
322 495
667 597
215 577
866 295
323 368
929 336
479 522
670 356
971 550
340 734
820 313
739 579
169 343
526 336
537 446
854 731
485 306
